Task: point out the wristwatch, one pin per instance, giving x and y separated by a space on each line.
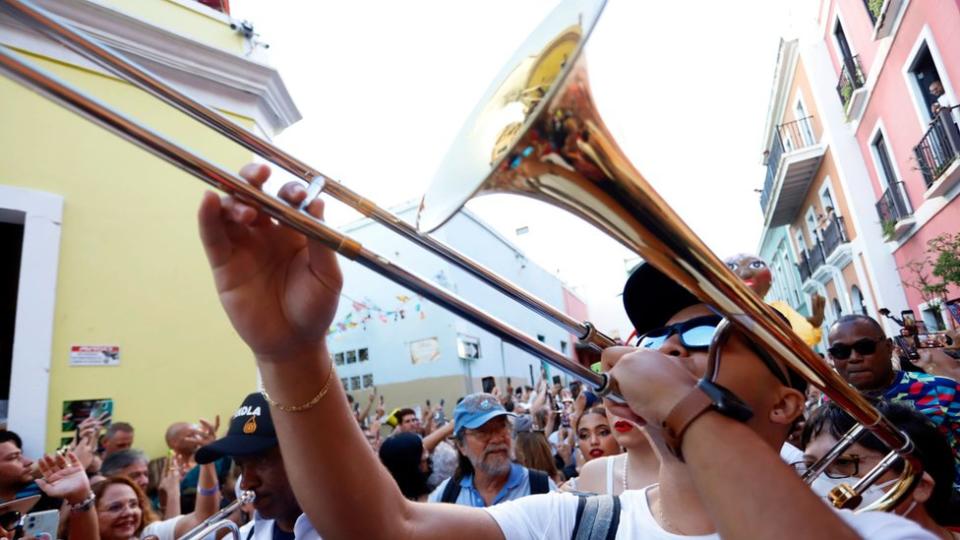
705 396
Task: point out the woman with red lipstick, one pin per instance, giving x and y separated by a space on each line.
594 436
635 468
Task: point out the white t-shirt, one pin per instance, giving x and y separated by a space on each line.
553 515
163 530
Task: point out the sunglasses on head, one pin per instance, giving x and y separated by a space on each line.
842 351
695 334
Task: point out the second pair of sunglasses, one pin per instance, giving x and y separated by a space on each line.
842 351
695 334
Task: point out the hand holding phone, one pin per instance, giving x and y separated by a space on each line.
488 384
41 525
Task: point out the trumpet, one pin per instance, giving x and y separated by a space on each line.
219 520
537 133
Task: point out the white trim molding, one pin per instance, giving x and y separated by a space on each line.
36 301
218 78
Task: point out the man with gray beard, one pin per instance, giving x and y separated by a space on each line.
486 474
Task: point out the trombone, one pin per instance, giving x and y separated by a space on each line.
536 133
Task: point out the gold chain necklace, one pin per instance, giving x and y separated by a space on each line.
626 465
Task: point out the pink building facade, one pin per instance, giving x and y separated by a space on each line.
887 58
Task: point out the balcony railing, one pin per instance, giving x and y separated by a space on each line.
804 267
940 145
833 235
773 162
893 206
789 137
851 78
817 256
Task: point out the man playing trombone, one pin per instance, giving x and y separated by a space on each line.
280 291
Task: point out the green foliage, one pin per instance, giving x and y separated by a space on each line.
875 6
946 252
845 92
942 260
889 228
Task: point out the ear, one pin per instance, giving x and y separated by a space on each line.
924 489
788 406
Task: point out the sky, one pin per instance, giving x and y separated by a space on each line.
684 86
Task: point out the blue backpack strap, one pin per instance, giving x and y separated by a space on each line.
539 482
598 517
451 491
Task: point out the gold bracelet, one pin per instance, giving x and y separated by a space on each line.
306 406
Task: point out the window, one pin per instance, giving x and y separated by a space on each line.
812 228
801 243
355 382
857 298
351 357
346 383
826 198
563 347
541 338
368 380
522 230
338 359
11 244
363 354
886 173
923 73
836 308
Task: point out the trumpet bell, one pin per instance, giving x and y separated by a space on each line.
493 138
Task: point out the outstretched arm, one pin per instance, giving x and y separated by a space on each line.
280 292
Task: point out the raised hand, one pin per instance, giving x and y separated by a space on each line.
205 433
64 477
279 289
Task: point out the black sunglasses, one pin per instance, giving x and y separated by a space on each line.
695 334
842 351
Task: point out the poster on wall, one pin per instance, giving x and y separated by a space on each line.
76 411
424 351
468 347
94 355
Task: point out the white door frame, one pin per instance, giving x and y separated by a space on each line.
36 301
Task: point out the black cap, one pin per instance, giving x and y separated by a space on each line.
251 432
651 298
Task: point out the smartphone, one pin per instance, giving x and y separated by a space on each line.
933 340
556 380
441 402
488 384
428 402
953 306
909 320
907 347
42 525
565 419
381 399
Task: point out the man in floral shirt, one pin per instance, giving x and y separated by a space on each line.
862 354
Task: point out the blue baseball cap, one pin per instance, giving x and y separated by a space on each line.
476 410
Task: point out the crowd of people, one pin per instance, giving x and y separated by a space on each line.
699 445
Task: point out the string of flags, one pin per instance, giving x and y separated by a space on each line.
366 311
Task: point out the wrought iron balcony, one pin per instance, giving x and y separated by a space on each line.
939 147
817 257
851 78
804 267
893 207
833 235
792 162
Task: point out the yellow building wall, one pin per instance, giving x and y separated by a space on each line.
131 271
